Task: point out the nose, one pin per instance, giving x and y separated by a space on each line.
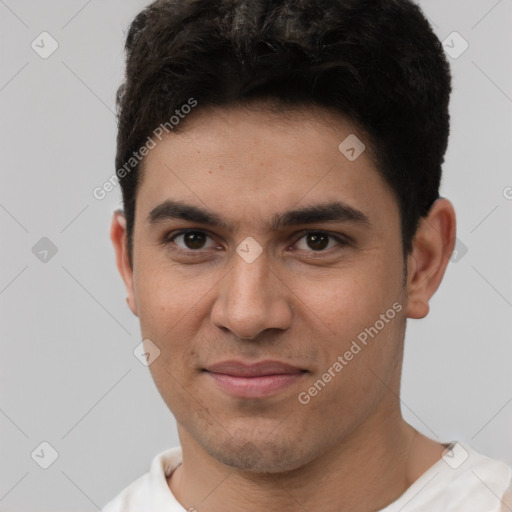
251 299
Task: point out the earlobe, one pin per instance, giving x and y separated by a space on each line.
118 235
433 245
417 303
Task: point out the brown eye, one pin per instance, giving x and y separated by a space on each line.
191 240
194 239
317 241
321 242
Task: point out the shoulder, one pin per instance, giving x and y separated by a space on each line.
150 488
131 496
463 480
469 480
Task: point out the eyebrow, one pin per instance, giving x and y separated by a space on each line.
336 211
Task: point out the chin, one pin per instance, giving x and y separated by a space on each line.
258 455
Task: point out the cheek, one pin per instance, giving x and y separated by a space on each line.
347 300
362 306
359 365
165 299
169 310
172 309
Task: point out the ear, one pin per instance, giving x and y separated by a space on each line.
432 247
119 236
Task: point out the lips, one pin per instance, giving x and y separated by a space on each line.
257 380
261 369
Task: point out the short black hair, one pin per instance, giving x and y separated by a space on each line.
376 62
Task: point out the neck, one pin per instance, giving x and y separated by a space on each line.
365 471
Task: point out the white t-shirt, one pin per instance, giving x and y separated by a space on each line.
463 480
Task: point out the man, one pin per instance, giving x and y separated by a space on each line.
280 166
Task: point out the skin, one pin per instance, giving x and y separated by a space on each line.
349 447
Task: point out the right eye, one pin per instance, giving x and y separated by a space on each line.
190 240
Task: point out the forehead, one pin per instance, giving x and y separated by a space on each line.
252 163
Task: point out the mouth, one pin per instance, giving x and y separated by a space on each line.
258 380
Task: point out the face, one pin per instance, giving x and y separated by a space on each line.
267 269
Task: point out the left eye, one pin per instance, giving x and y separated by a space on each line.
319 241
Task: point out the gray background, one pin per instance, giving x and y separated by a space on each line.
68 373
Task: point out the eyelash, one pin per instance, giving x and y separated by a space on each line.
170 237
